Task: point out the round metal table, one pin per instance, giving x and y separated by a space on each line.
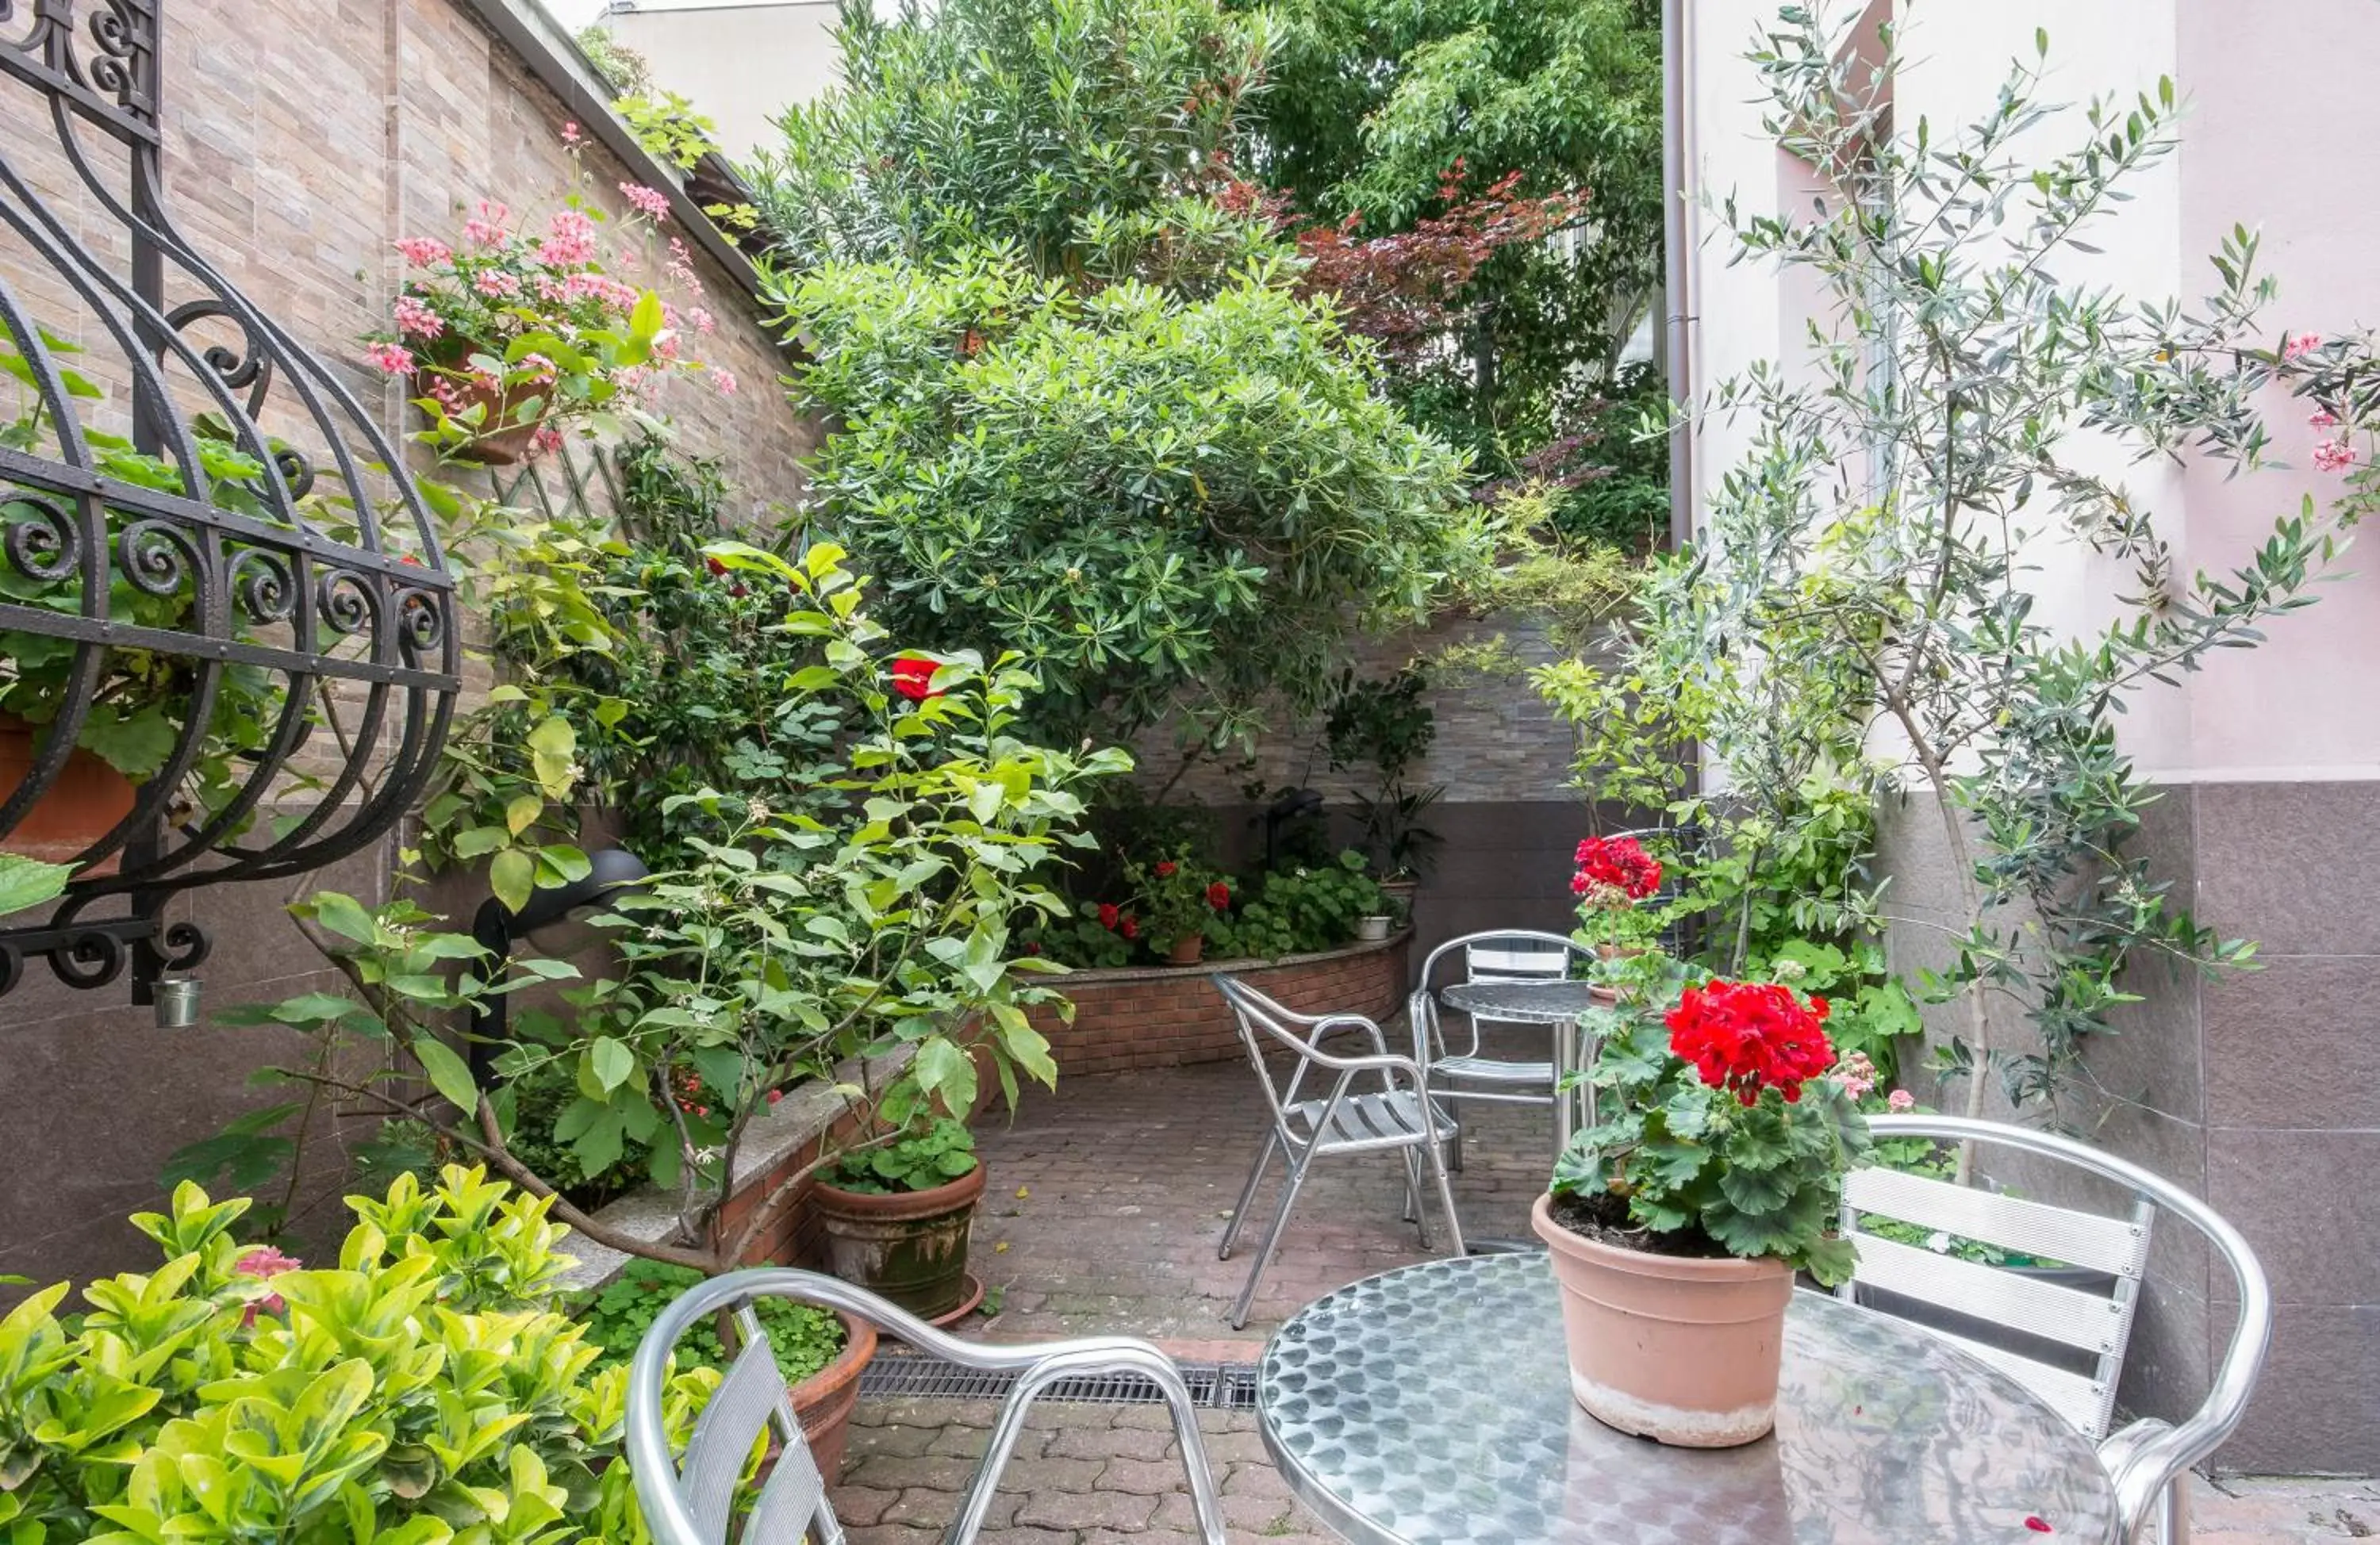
1431 1406
1558 1004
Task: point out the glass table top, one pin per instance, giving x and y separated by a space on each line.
1432 1404
1550 1001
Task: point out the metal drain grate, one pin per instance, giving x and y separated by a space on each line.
912 1376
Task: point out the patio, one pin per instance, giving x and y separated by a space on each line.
1126 1178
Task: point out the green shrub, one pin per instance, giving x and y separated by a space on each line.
422 1390
1296 912
803 1337
943 1152
1159 503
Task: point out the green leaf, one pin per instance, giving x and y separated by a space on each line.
26 882
611 1061
512 877
448 1072
345 917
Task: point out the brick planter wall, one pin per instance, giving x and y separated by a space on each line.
1171 1016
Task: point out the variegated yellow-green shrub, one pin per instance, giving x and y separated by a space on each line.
424 1391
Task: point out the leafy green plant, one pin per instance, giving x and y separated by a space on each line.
1948 270
876 910
1063 131
1369 105
1164 505
1299 911
1179 899
941 1153
803 1337
1723 1133
424 1390
1386 726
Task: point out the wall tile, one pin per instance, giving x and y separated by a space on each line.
2291 864
2296 1043
2316 1409
2308 1205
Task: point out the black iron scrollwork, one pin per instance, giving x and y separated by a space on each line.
256 527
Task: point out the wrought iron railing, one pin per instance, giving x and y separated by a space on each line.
207 547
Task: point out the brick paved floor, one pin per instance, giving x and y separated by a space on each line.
1105 1204
1107 1201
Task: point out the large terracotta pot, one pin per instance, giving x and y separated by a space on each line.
84 803
910 1247
823 1401
1675 1348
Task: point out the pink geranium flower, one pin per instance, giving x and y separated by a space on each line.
2333 455
415 319
395 358
423 251
723 381
487 227
2300 346
648 200
264 1263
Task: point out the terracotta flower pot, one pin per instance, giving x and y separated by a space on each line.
1675 1348
1187 950
501 446
823 1401
84 803
910 1247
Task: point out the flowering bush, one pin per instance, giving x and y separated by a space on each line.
1720 1132
523 328
1613 872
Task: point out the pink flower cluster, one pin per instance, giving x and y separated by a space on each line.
416 319
2300 346
649 201
395 358
487 227
1856 1072
569 240
264 1263
423 251
2333 455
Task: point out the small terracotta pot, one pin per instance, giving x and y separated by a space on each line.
1675 1348
910 1247
823 1401
1187 950
85 802
499 447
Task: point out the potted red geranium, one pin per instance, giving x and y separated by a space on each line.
1182 898
1614 874
1677 1222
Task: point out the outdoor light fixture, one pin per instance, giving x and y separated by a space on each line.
555 920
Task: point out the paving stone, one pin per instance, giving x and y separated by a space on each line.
1147 1477
891 1534
900 1472
1115 1442
1036 1476
1087 1510
862 1504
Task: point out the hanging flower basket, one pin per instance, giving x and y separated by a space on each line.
88 800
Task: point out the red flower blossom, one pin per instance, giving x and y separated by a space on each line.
715 565
1219 896
1165 868
1747 1036
913 678
2037 1525
1031 948
1616 863
1131 928
1108 912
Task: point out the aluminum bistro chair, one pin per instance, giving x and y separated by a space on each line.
2147 1460
1465 1070
691 1503
1308 1123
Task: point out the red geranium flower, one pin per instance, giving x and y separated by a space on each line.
1616 863
1165 868
1108 915
1219 896
713 564
913 678
1131 928
1747 1036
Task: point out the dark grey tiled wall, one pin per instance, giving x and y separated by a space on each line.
2260 1090
94 1097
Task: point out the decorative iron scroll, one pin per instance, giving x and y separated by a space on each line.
197 516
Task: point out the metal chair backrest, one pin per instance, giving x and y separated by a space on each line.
1495 955
2097 1323
691 1499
